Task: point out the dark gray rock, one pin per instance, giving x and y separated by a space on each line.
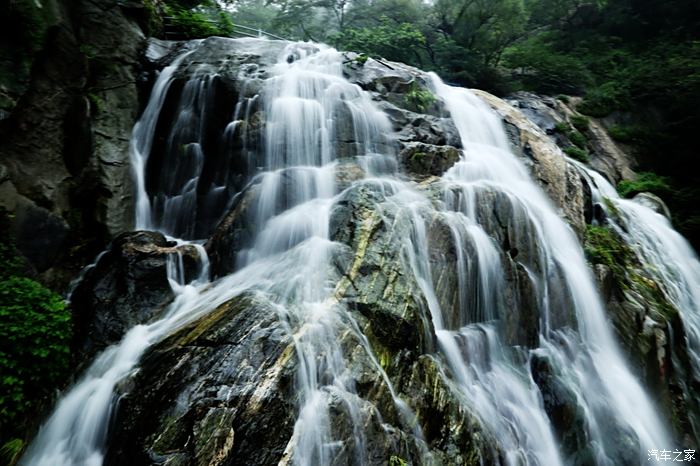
219 392
128 285
424 160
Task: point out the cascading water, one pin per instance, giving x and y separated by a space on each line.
76 432
308 107
596 372
667 257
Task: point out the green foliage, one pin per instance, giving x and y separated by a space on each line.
627 134
11 451
578 139
419 97
603 246
562 127
577 153
564 98
580 122
34 336
601 101
542 69
24 22
205 20
35 330
397 461
580 142
645 182
387 40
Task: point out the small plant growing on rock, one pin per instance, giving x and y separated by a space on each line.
580 122
419 97
577 153
397 461
645 182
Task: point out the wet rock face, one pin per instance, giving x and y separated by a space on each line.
64 143
128 285
222 390
219 392
606 156
559 179
422 160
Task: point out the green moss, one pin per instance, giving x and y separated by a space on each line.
645 182
564 98
397 461
96 103
361 59
577 153
419 97
603 246
418 156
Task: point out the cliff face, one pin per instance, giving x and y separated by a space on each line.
224 388
64 134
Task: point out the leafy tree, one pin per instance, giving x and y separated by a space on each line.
400 42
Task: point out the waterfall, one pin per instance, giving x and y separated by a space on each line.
309 106
665 254
596 373
76 432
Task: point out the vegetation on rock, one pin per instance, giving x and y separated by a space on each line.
645 182
35 331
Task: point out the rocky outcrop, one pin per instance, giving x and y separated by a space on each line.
226 389
545 160
128 285
64 142
550 113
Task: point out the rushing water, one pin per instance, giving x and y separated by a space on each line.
307 103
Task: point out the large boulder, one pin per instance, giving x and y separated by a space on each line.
128 285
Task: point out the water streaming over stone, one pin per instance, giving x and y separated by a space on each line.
665 256
595 372
509 333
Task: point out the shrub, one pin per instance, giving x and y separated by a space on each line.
580 122
627 134
603 246
605 99
35 332
419 97
578 139
577 153
205 20
645 182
